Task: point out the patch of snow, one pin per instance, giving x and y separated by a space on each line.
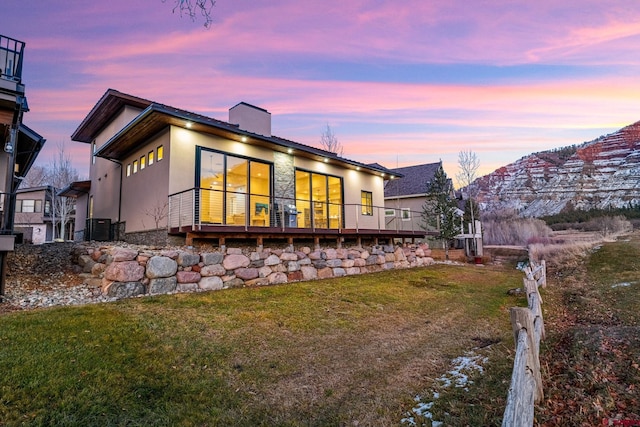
622 284
458 376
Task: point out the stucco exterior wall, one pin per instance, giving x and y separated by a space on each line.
105 174
145 193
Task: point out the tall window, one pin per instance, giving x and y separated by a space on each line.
366 202
160 153
143 162
234 190
318 200
151 157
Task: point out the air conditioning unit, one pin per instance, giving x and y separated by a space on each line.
98 229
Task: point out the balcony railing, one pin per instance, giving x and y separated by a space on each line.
200 209
11 53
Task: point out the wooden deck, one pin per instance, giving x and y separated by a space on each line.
290 234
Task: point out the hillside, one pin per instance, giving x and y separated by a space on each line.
598 174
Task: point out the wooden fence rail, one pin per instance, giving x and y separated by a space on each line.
528 330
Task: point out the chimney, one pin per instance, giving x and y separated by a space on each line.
251 118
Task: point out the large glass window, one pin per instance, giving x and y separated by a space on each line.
318 200
235 190
28 206
212 178
366 202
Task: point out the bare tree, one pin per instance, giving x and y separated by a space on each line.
61 174
158 213
468 163
192 8
329 142
36 177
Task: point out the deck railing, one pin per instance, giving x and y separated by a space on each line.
11 52
198 207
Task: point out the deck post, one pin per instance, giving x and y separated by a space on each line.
316 242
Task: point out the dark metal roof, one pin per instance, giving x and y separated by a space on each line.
414 181
75 189
156 117
29 145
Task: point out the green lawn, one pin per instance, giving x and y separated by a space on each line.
332 352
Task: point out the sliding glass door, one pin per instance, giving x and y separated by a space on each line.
234 190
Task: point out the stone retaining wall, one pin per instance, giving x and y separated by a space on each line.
125 271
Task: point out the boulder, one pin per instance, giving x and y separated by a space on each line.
212 270
212 283
247 273
124 289
124 271
231 262
212 258
309 273
187 277
186 259
161 266
162 285
123 254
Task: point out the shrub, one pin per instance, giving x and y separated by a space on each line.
512 230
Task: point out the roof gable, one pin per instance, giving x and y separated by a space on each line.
155 117
110 104
415 180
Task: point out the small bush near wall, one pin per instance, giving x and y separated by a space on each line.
129 270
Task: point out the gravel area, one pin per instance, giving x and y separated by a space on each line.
42 276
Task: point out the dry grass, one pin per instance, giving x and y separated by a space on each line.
590 358
348 351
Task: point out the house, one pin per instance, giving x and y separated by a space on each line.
20 144
77 191
33 214
408 193
158 170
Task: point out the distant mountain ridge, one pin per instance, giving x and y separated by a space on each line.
600 174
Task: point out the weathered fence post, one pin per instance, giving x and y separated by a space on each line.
528 329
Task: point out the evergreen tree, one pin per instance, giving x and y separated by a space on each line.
439 210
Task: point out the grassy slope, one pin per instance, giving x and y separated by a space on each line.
590 360
355 349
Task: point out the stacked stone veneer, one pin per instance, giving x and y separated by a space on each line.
129 271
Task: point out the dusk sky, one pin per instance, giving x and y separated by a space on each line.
399 82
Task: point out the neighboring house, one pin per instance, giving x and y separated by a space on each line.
36 216
79 191
160 168
33 214
405 197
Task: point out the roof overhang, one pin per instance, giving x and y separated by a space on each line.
110 104
29 145
75 189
